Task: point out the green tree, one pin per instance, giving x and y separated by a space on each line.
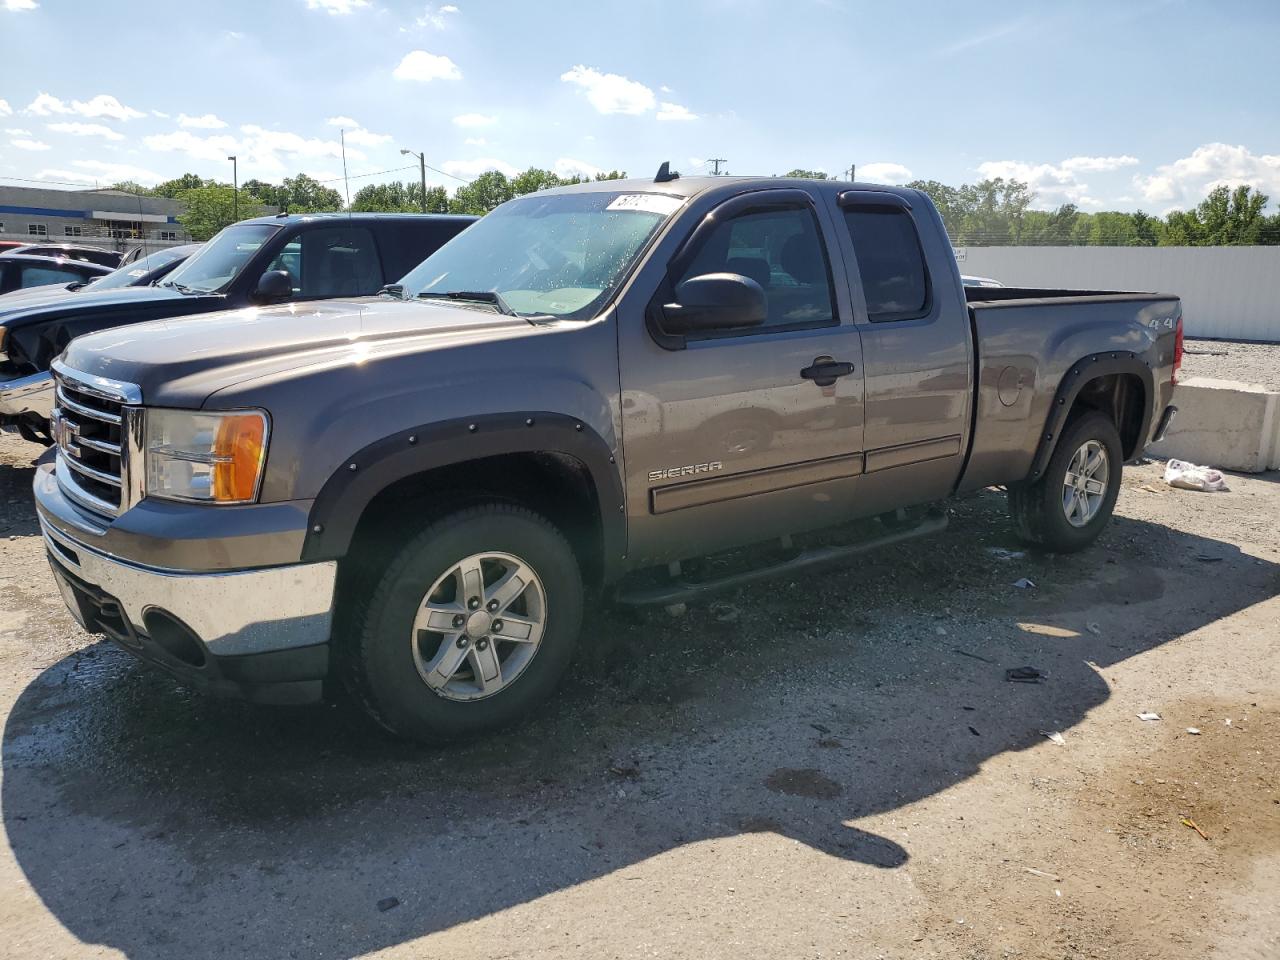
131 186
303 194
806 174
188 181
482 194
209 209
398 197
535 179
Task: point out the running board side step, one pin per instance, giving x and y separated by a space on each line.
680 591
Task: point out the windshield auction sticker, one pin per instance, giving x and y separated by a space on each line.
646 203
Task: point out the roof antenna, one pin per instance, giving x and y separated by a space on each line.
666 174
346 184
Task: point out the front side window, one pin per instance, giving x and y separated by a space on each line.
559 254
891 262
42 276
331 262
782 250
215 265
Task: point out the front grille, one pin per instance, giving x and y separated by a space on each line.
90 427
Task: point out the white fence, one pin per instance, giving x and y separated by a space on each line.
1231 293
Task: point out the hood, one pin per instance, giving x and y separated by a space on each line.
180 362
24 306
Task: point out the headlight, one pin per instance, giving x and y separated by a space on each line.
208 457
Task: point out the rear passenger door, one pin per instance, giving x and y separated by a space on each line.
916 348
327 262
727 439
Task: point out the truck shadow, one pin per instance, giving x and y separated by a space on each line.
161 823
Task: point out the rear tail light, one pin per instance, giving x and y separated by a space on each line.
1177 350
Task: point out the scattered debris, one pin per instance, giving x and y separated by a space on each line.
387 903
1055 737
820 728
830 743
1025 675
974 731
1207 558
1190 476
1002 553
1194 731
940 631
1227 721
725 612
1040 873
625 771
1024 584
1094 628
1207 353
676 609
1188 822
1149 716
975 656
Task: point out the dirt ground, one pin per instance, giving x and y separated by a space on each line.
831 767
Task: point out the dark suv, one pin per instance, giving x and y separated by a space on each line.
252 263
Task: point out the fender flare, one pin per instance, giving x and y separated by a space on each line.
352 487
1082 371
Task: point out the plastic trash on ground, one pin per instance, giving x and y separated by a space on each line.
1190 476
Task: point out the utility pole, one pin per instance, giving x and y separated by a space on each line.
235 190
422 165
717 161
853 172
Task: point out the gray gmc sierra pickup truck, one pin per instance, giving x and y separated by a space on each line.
418 493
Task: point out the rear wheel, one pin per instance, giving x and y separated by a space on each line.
472 623
1067 507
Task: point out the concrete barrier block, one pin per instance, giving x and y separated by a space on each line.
1225 424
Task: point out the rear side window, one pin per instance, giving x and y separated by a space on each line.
891 262
406 243
782 250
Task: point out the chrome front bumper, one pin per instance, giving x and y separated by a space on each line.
233 613
31 394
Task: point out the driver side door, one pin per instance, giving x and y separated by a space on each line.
731 436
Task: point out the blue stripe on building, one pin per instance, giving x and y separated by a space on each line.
46 212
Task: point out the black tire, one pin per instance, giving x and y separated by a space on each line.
1037 506
379 666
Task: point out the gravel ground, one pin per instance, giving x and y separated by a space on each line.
1245 362
828 766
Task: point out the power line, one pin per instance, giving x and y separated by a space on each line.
717 161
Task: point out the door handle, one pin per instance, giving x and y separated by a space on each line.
825 371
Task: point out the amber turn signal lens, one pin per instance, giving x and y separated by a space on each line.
238 451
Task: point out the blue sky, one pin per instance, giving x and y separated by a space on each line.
1111 105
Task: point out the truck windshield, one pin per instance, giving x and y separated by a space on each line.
218 262
558 254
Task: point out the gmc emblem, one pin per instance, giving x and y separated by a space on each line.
65 434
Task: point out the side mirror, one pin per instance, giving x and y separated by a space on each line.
716 301
272 286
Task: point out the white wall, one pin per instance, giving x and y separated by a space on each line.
1227 292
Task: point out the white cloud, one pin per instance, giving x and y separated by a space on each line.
113 172
76 129
206 122
342 122
160 113
476 142
18 6
435 19
883 172
665 89
338 8
215 148
673 111
103 105
5 109
472 120
425 67
568 167
610 92
17 132
1097 164
1186 181
262 142
23 144
473 168
366 138
1056 184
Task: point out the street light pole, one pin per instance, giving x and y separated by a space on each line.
235 189
422 165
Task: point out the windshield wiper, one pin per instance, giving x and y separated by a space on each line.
180 287
476 296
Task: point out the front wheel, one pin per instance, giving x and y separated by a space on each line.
1067 507
470 625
